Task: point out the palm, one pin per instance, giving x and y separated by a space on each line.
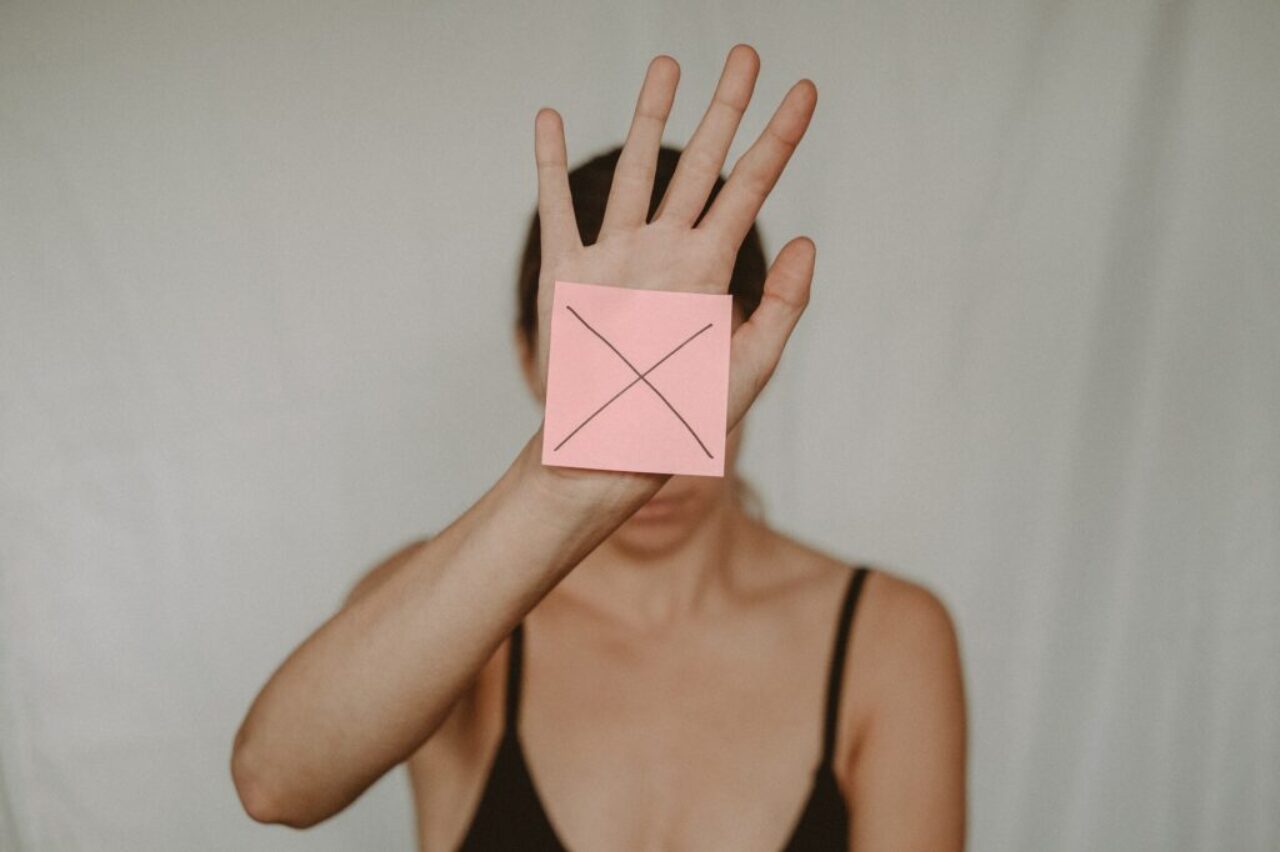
652 257
669 253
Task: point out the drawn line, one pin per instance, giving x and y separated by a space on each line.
640 377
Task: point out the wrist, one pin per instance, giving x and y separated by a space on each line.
575 490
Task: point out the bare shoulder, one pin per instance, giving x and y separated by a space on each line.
907 619
906 648
901 617
900 749
910 750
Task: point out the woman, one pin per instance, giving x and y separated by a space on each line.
590 659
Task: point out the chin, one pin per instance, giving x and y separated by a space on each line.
670 518
647 538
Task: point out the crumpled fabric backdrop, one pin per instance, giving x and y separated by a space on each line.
258 264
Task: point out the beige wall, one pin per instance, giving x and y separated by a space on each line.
256 264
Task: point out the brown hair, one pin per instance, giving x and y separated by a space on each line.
589 184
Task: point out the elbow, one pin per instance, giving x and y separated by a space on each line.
258 800
261 796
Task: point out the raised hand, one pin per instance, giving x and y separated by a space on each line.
670 253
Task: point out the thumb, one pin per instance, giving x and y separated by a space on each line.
757 344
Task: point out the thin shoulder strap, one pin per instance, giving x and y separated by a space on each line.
515 657
835 673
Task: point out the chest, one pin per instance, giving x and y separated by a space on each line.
684 746
672 753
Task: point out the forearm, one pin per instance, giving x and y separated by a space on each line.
378 678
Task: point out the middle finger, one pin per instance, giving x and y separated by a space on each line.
700 163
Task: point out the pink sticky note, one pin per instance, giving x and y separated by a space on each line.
637 380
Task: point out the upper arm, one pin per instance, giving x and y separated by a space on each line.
909 773
383 571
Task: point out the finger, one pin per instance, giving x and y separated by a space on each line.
758 343
757 171
702 159
632 186
555 202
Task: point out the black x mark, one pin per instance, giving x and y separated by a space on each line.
640 377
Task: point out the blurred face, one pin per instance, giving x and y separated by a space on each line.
681 506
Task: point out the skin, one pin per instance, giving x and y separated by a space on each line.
676 649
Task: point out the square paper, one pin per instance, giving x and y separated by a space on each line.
637 380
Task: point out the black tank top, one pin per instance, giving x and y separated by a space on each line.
510 815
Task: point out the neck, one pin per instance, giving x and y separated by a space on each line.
654 589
